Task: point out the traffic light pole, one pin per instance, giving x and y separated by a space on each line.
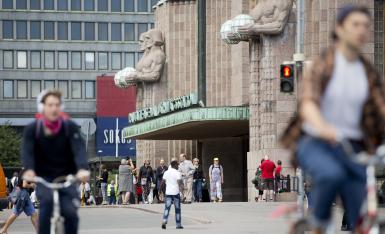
299 56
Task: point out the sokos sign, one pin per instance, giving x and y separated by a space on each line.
109 138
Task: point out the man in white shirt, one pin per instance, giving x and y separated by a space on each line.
173 179
187 169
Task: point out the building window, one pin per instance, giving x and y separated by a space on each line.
152 25
90 60
379 36
76 60
142 28
89 29
49 5
76 89
49 30
90 89
116 32
35 88
21 29
21 59
102 5
89 5
7 4
49 84
129 6
49 60
63 88
76 5
7 59
63 59
76 31
62 31
116 61
116 6
35 5
22 89
103 60
153 3
35 60
129 60
142 5
129 32
7 29
21 4
62 5
103 31
35 30
8 88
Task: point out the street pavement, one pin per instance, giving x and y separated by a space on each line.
196 218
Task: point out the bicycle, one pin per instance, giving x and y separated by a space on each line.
57 221
369 221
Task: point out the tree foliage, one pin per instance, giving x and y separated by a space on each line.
10 142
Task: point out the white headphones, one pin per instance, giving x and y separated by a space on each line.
40 104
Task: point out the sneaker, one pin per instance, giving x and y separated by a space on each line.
163 226
179 227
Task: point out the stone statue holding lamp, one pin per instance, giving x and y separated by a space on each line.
150 66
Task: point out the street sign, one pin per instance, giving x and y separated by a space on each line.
88 127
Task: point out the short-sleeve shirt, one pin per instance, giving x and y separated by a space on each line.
267 169
171 176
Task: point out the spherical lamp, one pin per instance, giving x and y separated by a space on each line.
227 34
240 21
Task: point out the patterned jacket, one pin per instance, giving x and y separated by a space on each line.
313 85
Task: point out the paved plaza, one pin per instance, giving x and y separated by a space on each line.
196 218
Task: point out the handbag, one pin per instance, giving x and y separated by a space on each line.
14 195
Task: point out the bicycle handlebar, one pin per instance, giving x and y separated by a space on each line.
67 182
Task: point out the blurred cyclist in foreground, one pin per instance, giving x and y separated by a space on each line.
342 98
52 147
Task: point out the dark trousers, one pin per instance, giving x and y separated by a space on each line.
197 188
173 199
69 203
112 200
332 174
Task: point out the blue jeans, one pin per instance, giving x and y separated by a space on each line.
332 174
197 187
112 200
172 199
69 203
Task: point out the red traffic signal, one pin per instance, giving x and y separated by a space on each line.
287 78
287 71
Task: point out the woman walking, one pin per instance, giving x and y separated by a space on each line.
126 183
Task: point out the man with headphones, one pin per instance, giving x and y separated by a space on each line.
52 147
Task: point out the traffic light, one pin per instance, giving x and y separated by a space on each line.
287 78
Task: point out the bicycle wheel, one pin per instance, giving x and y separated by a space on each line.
300 227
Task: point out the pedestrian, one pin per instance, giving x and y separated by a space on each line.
172 179
22 204
268 168
146 177
186 168
126 181
159 177
112 192
198 180
216 181
277 175
258 182
103 183
85 193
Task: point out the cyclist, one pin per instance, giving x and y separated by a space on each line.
342 98
52 147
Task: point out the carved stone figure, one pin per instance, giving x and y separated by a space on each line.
150 66
270 17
